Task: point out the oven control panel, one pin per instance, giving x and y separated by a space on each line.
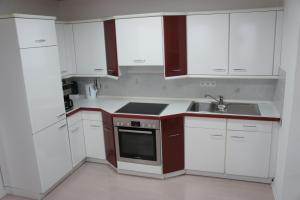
137 123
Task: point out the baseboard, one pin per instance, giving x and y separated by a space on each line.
174 174
141 174
229 176
23 193
96 160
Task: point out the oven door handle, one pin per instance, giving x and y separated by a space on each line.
133 131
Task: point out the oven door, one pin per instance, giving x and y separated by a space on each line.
138 145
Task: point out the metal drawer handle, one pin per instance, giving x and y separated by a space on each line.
97 69
219 70
139 61
216 135
62 126
174 135
176 70
249 126
95 126
64 71
75 130
58 116
40 41
240 70
134 131
237 137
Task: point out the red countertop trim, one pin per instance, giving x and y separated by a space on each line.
241 117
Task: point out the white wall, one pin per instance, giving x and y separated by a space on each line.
39 7
287 181
85 9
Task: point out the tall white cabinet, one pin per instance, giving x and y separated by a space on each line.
36 149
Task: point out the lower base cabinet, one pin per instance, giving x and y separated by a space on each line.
248 153
94 139
173 144
205 150
53 154
77 143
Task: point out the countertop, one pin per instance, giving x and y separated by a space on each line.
176 107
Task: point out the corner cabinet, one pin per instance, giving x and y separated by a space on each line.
173 144
111 47
207 38
175 45
90 48
140 41
252 37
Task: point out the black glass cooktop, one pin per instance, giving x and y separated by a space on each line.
142 108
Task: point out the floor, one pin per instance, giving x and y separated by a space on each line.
96 181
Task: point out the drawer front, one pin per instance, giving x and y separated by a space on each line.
250 126
91 115
209 123
36 32
73 119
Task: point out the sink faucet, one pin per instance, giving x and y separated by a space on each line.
221 105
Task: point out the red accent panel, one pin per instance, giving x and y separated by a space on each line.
109 138
175 45
111 47
173 144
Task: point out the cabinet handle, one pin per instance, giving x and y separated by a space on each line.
97 69
216 135
176 70
64 71
174 135
139 61
62 126
219 70
40 41
75 130
249 126
95 126
237 137
110 70
58 116
240 70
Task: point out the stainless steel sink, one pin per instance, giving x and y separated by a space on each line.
231 108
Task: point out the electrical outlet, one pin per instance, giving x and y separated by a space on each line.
208 84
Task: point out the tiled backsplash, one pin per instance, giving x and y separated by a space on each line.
154 85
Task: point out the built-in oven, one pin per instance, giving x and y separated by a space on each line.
138 141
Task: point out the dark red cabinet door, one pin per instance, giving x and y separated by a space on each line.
111 47
109 139
173 144
175 45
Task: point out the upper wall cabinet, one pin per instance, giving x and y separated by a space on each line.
65 41
208 44
175 45
252 38
35 32
140 41
111 47
90 48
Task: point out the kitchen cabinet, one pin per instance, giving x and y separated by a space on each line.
66 49
35 32
173 144
207 38
109 138
77 142
205 140
94 139
252 36
90 48
43 86
140 41
111 47
53 154
278 42
175 45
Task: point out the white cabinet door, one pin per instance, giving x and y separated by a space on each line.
140 41
252 38
77 143
205 149
90 48
53 154
65 41
43 86
248 153
207 38
278 42
35 32
94 139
